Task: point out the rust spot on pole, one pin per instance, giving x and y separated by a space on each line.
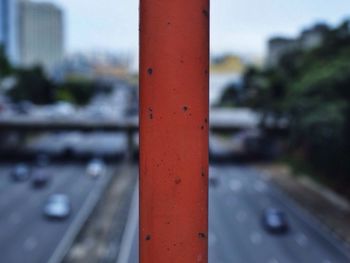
150 113
205 13
202 235
178 180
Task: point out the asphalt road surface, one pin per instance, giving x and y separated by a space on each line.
25 234
236 235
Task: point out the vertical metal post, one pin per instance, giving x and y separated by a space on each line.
174 76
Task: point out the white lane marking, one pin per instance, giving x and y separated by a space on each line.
212 239
273 260
30 244
15 218
301 239
235 185
130 229
326 261
255 238
241 216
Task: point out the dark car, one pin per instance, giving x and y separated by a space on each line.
40 178
57 207
20 173
275 221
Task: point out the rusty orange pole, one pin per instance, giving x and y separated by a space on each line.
174 76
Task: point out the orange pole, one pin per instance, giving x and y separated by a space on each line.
174 77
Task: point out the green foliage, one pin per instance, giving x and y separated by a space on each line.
77 91
5 67
312 88
32 85
230 97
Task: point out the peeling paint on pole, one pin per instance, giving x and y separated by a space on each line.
174 99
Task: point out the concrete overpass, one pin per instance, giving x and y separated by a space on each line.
221 121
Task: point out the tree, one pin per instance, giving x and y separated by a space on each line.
32 85
5 66
312 88
77 91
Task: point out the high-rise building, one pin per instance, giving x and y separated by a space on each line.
8 28
309 39
41 34
3 21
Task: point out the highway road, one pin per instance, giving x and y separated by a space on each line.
236 235
25 234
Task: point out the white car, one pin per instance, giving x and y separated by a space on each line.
96 168
57 207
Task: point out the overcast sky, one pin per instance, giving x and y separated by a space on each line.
240 26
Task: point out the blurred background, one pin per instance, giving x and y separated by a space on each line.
279 142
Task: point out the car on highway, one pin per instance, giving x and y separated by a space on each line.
275 221
58 207
96 168
40 178
20 173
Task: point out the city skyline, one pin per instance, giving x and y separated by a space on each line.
241 27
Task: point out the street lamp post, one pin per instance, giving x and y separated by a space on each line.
174 128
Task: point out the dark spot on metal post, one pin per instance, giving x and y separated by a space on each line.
205 13
185 108
150 71
178 180
202 235
148 237
150 113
